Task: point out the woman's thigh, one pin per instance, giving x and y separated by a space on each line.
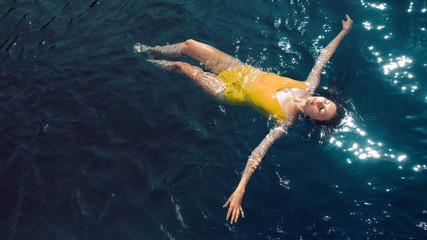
211 57
208 82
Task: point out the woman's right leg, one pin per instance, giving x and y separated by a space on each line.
211 57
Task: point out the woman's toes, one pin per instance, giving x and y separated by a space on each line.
137 48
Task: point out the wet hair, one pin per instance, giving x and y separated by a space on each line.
320 131
338 97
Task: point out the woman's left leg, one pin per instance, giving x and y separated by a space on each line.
211 57
208 82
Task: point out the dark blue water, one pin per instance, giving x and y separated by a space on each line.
97 144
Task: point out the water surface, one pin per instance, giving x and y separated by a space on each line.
98 144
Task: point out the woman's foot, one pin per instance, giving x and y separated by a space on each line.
144 49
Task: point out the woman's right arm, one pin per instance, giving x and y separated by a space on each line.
313 78
235 200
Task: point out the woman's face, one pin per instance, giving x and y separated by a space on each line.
320 108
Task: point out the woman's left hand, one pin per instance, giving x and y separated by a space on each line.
348 24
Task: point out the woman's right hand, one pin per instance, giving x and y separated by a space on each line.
346 25
235 208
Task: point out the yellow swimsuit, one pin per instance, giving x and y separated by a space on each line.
252 87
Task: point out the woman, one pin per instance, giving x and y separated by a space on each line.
235 83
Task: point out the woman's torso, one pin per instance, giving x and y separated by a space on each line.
278 96
270 94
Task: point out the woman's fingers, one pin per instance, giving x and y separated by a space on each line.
234 212
228 214
233 216
349 20
226 203
236 215
241 211
347 24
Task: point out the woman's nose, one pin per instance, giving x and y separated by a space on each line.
320 103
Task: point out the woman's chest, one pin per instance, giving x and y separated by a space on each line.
289 99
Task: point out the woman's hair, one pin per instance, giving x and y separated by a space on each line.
322 130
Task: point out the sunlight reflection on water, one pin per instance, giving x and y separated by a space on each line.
355 140
397 68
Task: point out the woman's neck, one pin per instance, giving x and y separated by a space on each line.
299 101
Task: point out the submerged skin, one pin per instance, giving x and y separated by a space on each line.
293 101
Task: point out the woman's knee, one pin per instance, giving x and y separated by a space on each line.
181 66
190 44
188 70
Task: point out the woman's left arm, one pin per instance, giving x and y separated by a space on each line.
254 160
313 78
